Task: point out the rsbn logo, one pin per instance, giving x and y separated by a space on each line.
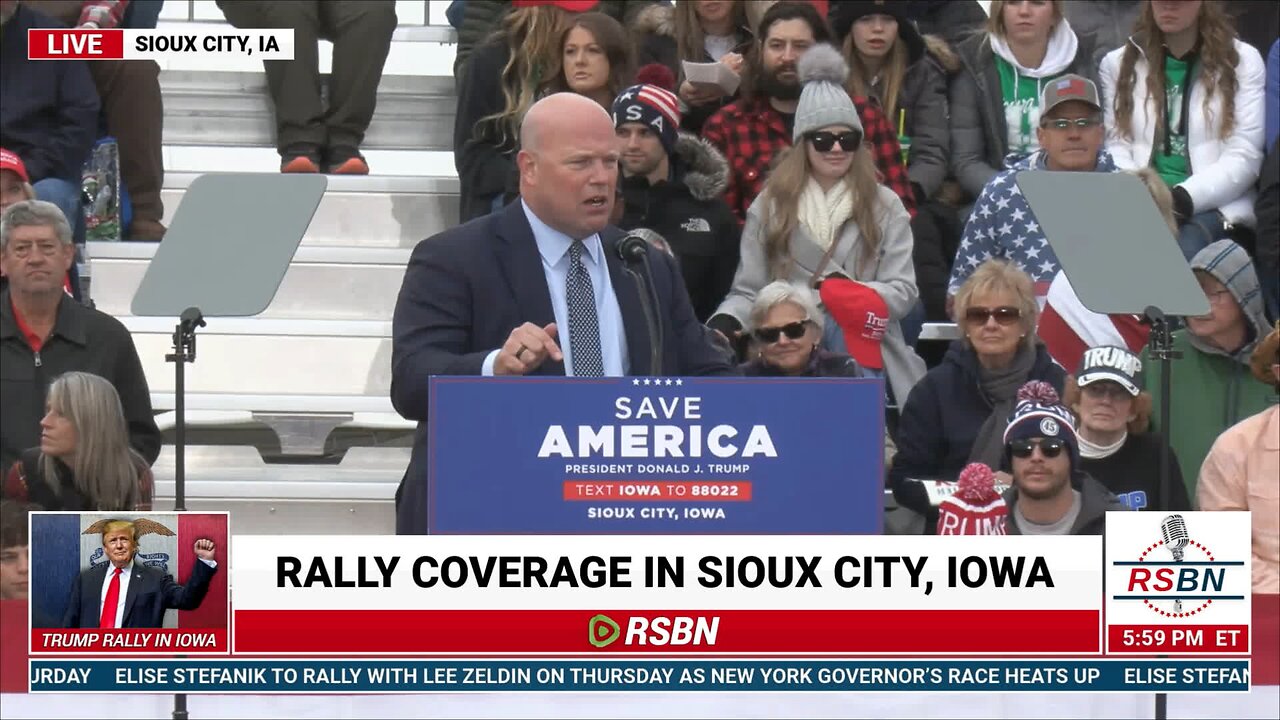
1182 585
603 631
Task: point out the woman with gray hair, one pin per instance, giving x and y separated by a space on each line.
84 461
957 414
786 330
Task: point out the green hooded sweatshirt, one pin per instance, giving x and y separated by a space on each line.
1212 389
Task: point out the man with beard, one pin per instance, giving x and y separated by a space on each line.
751 131
1050 494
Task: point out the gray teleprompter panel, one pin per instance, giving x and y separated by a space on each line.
229 244
1112 242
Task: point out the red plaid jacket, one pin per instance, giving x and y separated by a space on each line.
750 132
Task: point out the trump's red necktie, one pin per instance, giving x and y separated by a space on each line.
109 604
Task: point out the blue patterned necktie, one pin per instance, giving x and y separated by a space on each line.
584 327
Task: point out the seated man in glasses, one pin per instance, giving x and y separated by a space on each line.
1050 495
1002 224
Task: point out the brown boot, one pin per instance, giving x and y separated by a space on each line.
146 231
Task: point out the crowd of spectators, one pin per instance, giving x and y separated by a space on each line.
850 174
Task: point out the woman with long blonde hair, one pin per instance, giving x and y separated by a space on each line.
823 219
697 31
499 83
1198 121
84 461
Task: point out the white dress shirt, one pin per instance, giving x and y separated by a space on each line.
553 247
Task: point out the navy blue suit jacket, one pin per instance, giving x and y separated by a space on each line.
468 287
151 592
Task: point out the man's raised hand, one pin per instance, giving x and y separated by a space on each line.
526 348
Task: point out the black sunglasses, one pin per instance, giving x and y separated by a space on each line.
1049 447
823 141
1005 315
770 335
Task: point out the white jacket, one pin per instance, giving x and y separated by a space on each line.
1223 172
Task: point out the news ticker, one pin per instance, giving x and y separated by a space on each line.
715 596
120 44
141 675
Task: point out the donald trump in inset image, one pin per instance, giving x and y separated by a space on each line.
124 594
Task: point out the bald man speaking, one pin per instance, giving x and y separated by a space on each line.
539 287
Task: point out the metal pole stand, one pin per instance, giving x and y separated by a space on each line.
1160 348
184 351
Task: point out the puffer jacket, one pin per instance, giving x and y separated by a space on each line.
979 134
1223 170
924 99
690 214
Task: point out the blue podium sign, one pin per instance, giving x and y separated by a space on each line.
656 455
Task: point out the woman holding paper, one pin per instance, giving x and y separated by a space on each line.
596 59
702 32
890 61
823 219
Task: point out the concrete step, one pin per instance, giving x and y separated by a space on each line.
264 158
374 211
224 108
322 283
353 497
271 357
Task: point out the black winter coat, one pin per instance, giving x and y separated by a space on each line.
690 214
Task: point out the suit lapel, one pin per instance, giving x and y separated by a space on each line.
628 294
521 265
91 595
135 582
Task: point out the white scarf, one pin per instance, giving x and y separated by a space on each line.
1097 452
823 214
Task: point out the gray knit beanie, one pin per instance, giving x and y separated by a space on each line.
823 101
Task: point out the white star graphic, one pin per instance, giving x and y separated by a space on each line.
1033 253
999 180
1018 215
1033 227
1002 203
668 382
1018 241
1044 242
974 261
985 211
1015 190
636 381
1006 229
646 381
964 244
679 381
991 233
1046 268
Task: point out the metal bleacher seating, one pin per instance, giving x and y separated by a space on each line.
290 424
